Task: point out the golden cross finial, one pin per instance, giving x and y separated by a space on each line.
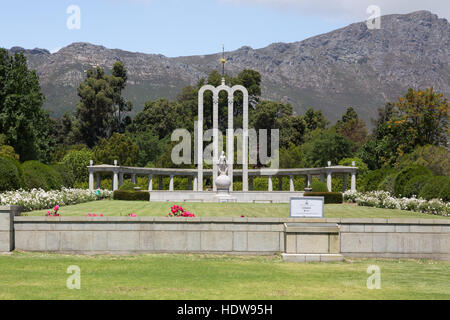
223 60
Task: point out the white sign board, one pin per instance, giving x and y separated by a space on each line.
307 207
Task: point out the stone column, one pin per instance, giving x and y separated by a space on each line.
171 183
322 177
160 183
7 227
91 176
98 181
270 184
115 180
200 140
120 178
133 178
353 182
291 183
215 138
280 183
245 144
344 182
250 182
329 182
195 183
150 182
308 181
230 138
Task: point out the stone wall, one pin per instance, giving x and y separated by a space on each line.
154 235
7 227
390 238
396 238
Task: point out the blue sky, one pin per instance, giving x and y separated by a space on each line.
177 27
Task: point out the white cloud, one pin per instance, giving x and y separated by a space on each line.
351 9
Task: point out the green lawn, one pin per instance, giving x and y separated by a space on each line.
161 209
43 276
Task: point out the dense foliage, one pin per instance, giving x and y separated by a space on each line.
329 197
23 122
10 177
128 195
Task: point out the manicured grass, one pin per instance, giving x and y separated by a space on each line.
161 209
43 276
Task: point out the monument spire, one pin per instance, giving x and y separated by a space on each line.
223 61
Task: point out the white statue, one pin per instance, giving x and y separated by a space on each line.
223 181
223 166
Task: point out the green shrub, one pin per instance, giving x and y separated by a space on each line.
67 176
435 158
77 161
128 186
318 186
83 185
406 175
388 183
362 167
38 175
10 178
436 188
372 180
416 184
330 197
131 195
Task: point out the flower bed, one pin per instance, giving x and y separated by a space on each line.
178 211
38 199
383 199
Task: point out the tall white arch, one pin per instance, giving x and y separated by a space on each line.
230 137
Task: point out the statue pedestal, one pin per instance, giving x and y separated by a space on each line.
223 184
224 197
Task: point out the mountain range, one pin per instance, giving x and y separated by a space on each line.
352 66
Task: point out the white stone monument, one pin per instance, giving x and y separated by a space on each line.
230 133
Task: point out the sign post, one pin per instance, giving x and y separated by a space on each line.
307 207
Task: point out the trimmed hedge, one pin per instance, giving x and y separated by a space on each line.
9 175
330 197
436 188
406 175
38 175
128 195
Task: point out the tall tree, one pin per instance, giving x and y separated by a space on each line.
352 127
315 120
100 111
22 119
419 118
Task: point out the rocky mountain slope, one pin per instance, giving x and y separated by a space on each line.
352 66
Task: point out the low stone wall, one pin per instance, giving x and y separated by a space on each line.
7 227
396 238
151 235
389 238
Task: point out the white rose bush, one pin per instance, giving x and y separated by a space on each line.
38 199
383 199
